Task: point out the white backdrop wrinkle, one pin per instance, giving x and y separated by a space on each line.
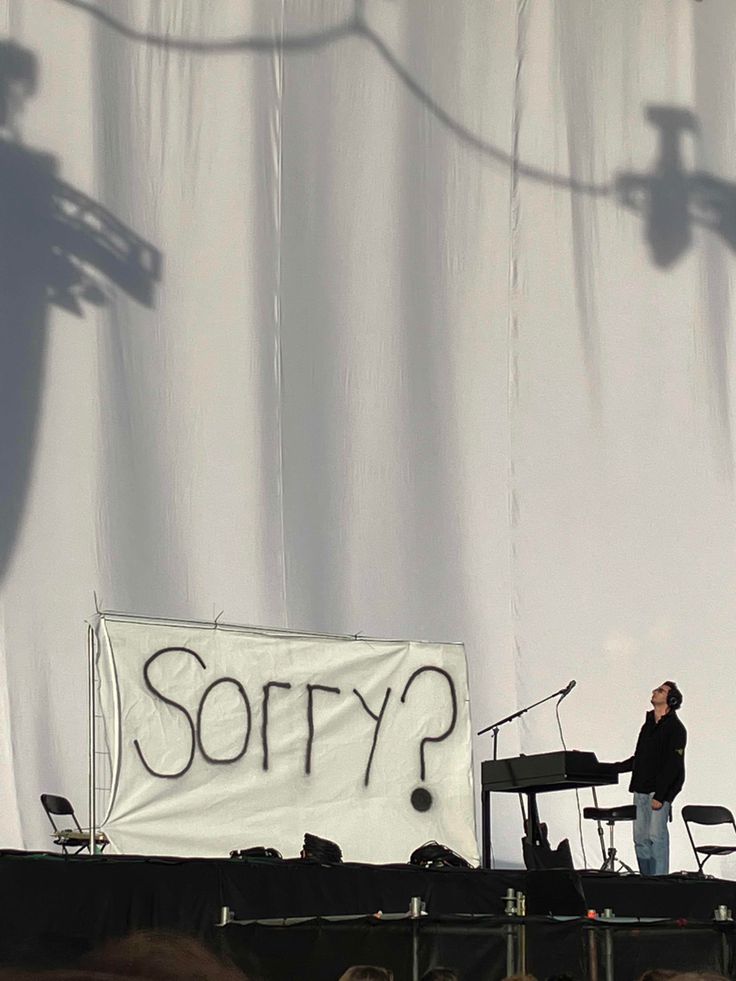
440 347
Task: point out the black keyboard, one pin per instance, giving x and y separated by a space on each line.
542 772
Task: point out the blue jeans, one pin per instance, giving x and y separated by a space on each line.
652 836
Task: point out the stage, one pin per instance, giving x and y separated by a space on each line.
285 919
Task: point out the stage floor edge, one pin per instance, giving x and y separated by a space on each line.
55 908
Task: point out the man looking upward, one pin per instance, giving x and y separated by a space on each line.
657 774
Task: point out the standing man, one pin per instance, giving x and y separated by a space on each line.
657 774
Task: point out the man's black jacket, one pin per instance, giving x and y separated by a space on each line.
658 763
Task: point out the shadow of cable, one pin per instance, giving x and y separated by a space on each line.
58 247
660 196
670 200
354 26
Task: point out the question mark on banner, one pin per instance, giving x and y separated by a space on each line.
421 798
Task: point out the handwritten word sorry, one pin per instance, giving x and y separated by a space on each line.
267 692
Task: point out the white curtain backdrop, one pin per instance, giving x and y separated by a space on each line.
417 322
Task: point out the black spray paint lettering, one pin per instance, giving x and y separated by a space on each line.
378 719
169 701
244 749
311 689
264 724
421 798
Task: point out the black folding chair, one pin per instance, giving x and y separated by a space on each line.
77 837
710 814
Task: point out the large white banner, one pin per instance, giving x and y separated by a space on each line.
225 738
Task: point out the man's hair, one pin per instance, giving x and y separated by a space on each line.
158 955
440 974
698 976
367 972
674 695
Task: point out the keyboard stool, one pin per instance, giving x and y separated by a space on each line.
611 816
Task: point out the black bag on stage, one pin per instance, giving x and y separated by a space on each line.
432 855
257 851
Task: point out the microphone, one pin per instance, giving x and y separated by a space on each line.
566 691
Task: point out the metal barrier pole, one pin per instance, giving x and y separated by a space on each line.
415 914
592 933
608 953
723 919
521 932
510 958
510 930
91 771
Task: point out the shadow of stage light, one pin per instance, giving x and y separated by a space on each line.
672 200
58 247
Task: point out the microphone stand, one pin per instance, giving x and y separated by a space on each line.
495 726
600 831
